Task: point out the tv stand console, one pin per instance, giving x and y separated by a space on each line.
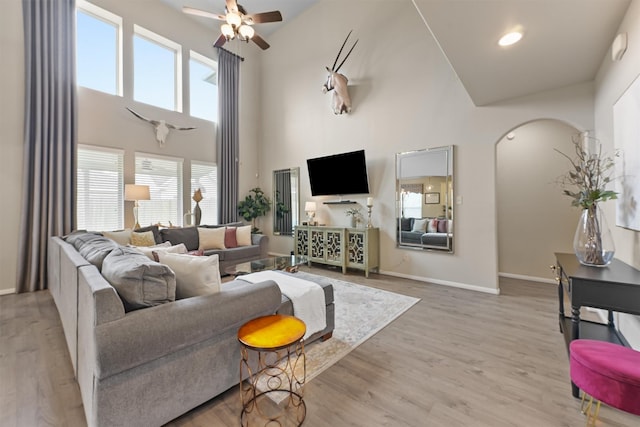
357 248
612 288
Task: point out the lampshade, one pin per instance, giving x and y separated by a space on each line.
233 19
246 32
310 206
227 31
134 192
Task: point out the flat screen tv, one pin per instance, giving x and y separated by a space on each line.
339 174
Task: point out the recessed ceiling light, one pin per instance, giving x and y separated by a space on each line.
510 38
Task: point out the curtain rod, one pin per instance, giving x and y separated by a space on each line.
231 53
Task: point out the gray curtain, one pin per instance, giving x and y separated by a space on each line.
48 205
228 146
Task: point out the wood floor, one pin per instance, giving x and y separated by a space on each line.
457 358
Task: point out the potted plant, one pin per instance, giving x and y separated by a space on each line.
588 177
255 205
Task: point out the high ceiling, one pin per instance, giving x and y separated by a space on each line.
564 40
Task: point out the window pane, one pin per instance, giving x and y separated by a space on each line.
96 53
154 73
164 178
100 198
412 205
203 90
204 176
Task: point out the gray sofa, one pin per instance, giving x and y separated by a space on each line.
407 236
148 366
226 257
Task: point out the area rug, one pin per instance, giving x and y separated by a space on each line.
360 312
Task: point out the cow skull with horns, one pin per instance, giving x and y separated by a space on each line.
338 83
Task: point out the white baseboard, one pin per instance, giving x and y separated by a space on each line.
529 278
443 282
7 291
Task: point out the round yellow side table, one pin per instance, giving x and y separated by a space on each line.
277 340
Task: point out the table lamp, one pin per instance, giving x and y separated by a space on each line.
133 193
310 209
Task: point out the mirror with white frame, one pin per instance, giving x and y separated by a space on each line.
424 197
286 201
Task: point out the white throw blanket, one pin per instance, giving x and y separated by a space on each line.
307 298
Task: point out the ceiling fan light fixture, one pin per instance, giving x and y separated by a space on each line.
246 32
227 31
234 19
510 38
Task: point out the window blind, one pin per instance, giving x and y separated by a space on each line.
163 175
100 189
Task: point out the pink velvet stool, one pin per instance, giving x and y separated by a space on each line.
607 372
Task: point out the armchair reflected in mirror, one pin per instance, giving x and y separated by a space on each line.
424 197
285 201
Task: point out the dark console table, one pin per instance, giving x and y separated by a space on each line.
612 288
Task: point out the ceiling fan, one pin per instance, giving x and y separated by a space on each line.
238 23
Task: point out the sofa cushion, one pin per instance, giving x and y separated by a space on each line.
243 235
195 275
144 238
139 281
186 235
239 253
443 226
121 237
93 247
211 238
432 225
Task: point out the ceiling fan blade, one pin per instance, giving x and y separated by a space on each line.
260 42
264 17
232 6
198 12
221 40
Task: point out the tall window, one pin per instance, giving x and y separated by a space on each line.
98 49
163 175
205 177
100 188
157 70
203 87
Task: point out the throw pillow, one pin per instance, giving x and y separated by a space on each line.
405 224
139 281
211 238
243 235
186 235
420 225
432 226
145 238
93 247
162 247
194 275
230 237
156 232
121 237
443 225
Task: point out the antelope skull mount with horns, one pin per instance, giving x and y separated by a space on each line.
337 82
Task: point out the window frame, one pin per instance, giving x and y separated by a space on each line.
208 62
150 36
111 19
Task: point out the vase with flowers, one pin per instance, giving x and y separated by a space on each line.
356 216
586 184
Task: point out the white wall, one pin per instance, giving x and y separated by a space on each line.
534 218
612 80
405 97
11 138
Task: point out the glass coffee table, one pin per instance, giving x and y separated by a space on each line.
274 263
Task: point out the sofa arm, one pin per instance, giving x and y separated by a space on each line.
262 241
148 334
